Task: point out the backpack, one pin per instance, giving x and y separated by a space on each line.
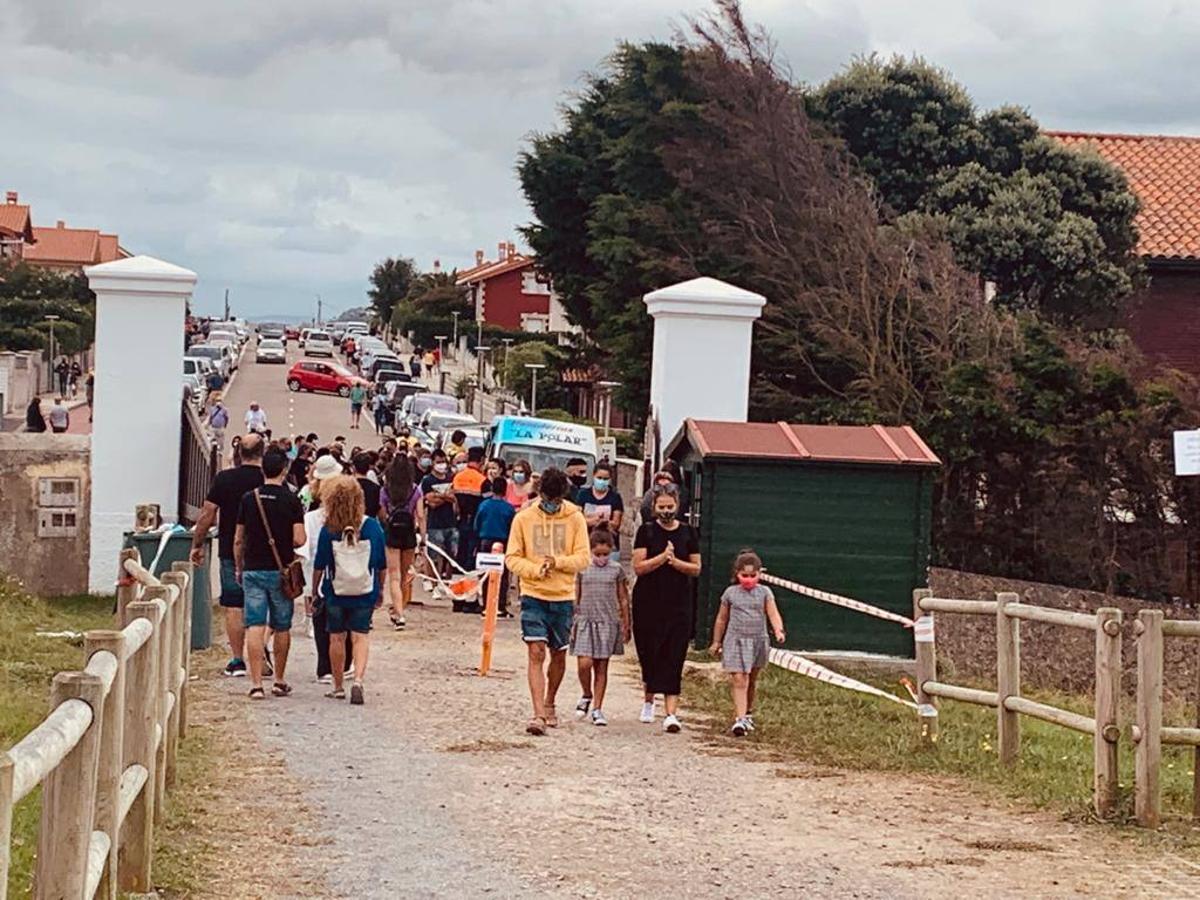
401 525
352 576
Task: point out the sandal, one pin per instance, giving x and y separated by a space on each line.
281 689
336 694
257 693
536 726
551 718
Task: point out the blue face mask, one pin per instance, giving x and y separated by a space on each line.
550 507
600 484
518 477
425 462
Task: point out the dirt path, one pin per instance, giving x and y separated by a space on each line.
433 790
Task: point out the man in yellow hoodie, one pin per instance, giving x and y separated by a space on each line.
547 547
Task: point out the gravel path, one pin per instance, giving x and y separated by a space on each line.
433 790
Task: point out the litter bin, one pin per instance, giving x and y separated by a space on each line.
178 546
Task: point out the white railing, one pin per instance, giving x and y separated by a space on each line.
105 754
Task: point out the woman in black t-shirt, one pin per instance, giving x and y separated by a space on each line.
666 557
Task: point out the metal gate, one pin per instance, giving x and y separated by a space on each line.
199 461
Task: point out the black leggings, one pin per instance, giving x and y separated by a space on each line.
320 620
662 637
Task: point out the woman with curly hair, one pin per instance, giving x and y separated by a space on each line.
348 569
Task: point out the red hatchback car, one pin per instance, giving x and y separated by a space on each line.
331 378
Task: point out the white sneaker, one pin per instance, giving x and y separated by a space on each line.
748 719
672 725
582 707
647 715
325 679
739 728
598 718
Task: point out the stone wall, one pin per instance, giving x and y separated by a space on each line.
45 493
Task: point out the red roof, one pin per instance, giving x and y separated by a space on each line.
110 248
15 221
64 246
1164 172
492 269
872 444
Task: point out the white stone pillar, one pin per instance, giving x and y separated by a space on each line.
140 309
701 368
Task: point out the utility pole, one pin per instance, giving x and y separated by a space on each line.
226 319
456 314
533 367
479 333
318 309
50 368
504 365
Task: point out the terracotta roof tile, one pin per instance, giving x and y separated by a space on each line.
14 220
492 269
110 248
868 444
68 246
1164 172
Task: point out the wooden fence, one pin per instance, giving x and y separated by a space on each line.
105 755
1007 700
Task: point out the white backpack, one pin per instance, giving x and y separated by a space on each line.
352 575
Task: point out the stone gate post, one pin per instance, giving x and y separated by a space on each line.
140 309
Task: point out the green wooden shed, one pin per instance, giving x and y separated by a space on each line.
841 508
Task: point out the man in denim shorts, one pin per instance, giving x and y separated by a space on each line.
547 546
270 525
223 501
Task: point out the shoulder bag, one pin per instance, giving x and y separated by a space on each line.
291 576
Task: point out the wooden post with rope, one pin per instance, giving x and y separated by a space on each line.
491 612
926 666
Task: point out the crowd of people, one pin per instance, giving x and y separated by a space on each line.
353 521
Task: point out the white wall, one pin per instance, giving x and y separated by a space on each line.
136 426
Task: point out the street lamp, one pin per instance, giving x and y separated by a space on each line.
508 342
480 350
456 314
50 368
533 367
607 387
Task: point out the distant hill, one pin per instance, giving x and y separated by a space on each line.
354 314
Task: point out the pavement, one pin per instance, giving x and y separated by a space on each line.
77 407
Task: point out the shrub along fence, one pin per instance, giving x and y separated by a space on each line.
105 755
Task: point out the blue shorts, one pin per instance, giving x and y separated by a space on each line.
348 618
446 538
232 596
547 622
265 603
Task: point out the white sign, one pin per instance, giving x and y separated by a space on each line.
606 448
489 562
923 629
1187 453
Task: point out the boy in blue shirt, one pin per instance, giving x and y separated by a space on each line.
493 521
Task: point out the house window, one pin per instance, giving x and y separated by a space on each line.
535 323
54 523
58 492
530 284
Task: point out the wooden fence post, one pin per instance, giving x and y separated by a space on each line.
1108 694
111 765
141 714
926 666
163 651
69 797
127 587
6 810
1008 679
1148 749
182 646
188 612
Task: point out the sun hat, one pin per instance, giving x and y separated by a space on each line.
326 467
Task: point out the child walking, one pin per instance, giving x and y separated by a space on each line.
740 635
602 623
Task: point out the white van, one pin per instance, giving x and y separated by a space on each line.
541 442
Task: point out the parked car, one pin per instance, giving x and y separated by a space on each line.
384 377
318 343
414 407
380 363
193 390
395 393
197 365
291 333
229 348
219 356
308 375
270 350
373 355
303 336
440 424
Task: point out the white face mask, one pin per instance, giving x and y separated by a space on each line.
439 468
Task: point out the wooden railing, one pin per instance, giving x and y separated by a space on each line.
105 755
1007 699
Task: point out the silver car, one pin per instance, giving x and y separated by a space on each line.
270 350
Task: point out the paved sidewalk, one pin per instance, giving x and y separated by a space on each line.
77 407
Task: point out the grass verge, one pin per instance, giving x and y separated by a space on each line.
28 663
805 720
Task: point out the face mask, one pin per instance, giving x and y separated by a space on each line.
551 506
439 468
459 467
519 477
578 480
600 560
749 582
424 463
665 516
600 484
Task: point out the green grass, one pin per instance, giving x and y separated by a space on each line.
809 721
27 665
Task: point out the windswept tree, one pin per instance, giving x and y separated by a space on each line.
391 280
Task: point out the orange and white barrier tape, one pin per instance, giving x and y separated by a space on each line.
836 599
794 662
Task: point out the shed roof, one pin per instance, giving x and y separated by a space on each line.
870 444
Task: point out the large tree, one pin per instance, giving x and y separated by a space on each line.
1051 228
28 294
391 281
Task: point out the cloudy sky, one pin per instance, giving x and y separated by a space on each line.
281 148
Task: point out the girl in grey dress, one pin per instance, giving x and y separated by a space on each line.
740 635
602 623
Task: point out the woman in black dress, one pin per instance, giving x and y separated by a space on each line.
666 557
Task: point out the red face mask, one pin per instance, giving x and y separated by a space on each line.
749 582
